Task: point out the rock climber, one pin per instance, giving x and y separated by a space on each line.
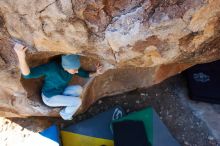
55 90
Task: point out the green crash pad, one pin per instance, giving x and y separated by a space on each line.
157 132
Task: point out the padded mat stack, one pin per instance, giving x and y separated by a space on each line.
204 82
156 132
92 132
111 128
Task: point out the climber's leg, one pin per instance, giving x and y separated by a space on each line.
72 103
74 90
70 99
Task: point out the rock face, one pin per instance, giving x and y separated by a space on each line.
139 42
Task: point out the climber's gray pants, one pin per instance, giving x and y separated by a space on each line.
70 98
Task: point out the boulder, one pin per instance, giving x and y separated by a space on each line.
139 42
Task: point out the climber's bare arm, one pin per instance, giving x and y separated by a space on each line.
99 70
20 51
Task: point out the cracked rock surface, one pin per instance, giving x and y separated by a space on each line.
139 42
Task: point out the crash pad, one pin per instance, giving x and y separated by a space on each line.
95 131
157 132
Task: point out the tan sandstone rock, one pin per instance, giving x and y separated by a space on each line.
139 43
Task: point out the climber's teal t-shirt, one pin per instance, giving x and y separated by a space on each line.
56 79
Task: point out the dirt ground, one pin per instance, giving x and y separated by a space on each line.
164 98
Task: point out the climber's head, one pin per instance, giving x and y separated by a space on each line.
71 63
